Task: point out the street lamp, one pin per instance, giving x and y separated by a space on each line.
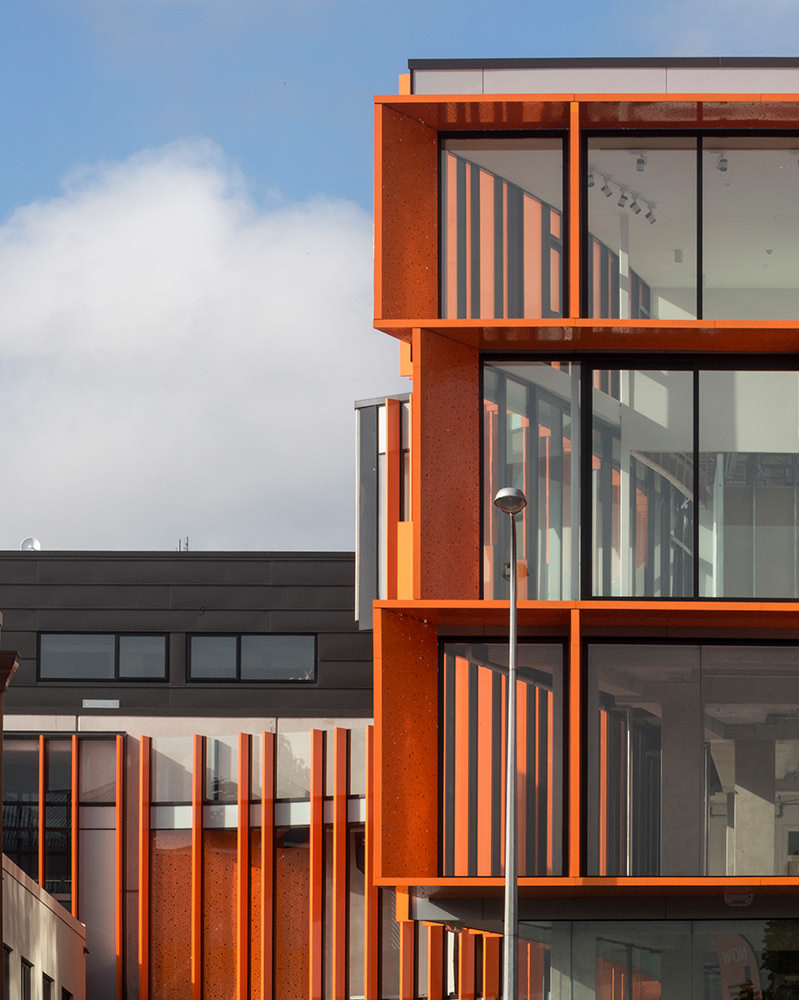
511 502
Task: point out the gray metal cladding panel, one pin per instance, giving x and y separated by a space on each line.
23 641
357 646
336 675
338 571
19 569
311 621
270 701
82 597
327 598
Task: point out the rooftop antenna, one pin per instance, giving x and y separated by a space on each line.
183 544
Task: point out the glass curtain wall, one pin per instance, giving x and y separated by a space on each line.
473 757
750 222
502 227
680 461
530 442
641 241
654 959
748 498
695 751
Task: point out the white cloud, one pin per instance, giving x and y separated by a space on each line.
179 362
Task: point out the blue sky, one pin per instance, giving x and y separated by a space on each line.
185 244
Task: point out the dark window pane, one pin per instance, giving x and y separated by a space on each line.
20 804
213 657
142 656
278 657
77 657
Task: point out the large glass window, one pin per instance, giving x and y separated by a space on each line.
473 722
750 218
694 753
101 656
268 657
748 496
642 483
501 227
641 241
652 959
682 461
530 442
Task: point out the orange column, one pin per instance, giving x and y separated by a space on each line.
198 765
339 941
491 950
466 965
243 871
316 931
144 867
267 864
407 949
573 810
119 850
42 807
371 894
435 962
574 210
75 824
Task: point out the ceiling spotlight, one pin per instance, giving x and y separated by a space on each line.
590 180
650 215
640 163
605 189
635 207
721 166
623 199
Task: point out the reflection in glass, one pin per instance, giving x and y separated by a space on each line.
530 442
213 657
21 804
501 228
142 656
643 483
750 227
696 751
221 764
748 498
71 657
172 763
97 780
278 657
473 720
58 821
641 243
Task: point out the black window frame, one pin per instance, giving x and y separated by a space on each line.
588 364
238 679
117 677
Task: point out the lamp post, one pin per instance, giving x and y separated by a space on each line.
511 502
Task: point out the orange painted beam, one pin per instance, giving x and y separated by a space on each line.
243 872
145 746
574 861
198 767
119 864
371 895
316 930
339 930
74 818
574 210
42 805
267 865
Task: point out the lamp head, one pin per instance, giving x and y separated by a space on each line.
510 501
